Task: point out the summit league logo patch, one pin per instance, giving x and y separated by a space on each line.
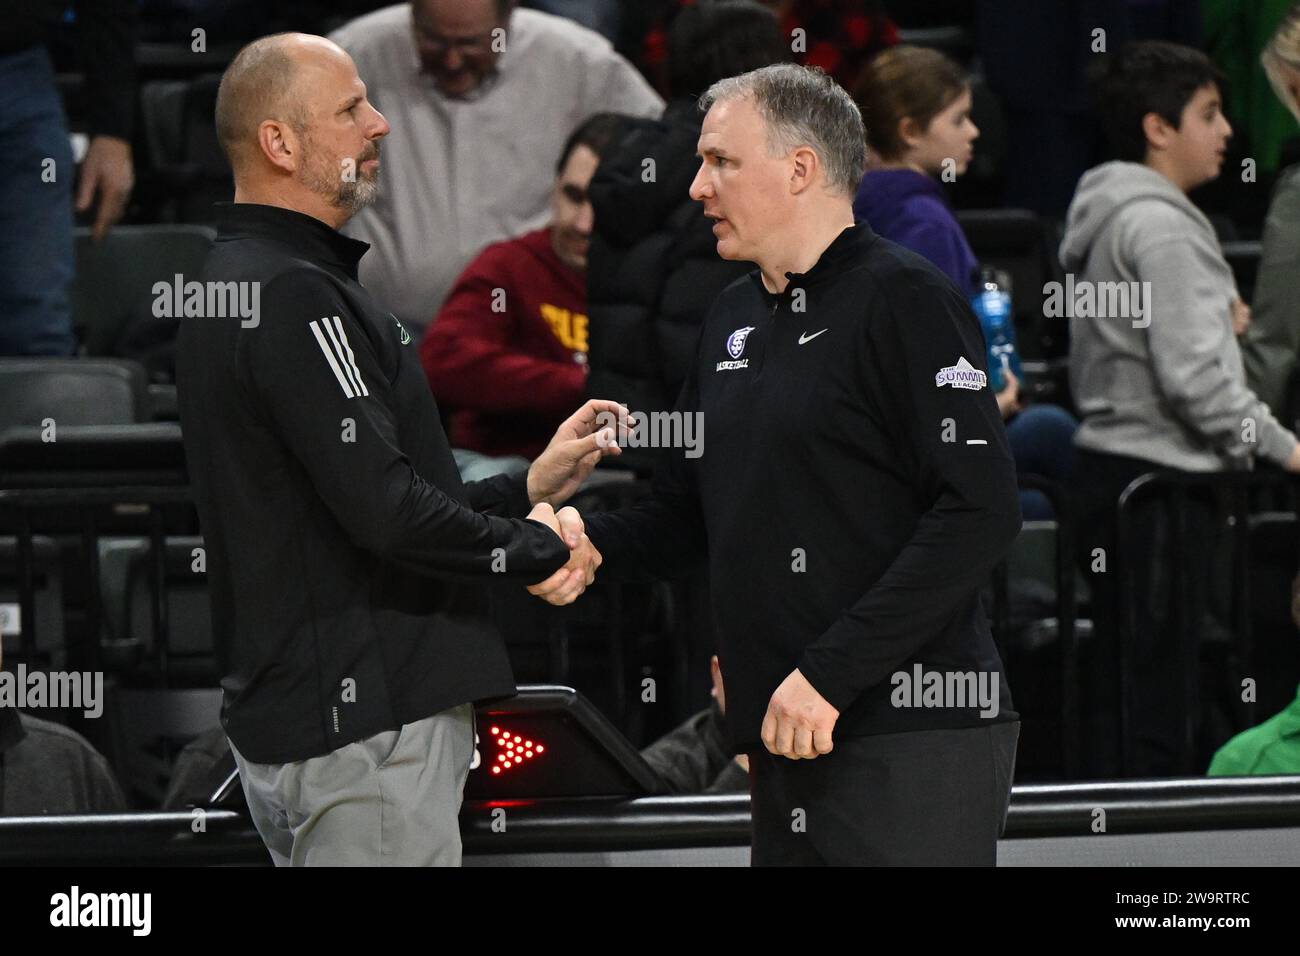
961 375
736 345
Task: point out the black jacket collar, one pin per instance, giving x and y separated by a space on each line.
307 235
847 247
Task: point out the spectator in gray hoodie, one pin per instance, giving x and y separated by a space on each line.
1156 374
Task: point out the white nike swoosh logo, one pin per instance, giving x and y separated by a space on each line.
805 337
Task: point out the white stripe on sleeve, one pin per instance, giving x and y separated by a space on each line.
329 357
351 362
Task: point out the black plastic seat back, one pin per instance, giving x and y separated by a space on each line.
114 287
35 393
1019 242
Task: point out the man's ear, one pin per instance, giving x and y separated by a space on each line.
280 144
1157 131
806 164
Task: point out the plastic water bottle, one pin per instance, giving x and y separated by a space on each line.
992 304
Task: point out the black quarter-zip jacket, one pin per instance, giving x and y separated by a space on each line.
854 491
340 541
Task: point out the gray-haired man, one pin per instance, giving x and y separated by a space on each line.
854 492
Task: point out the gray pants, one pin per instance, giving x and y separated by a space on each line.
388 800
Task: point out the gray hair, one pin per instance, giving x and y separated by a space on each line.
802 106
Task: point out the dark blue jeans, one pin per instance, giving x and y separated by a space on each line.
36 254
1042 443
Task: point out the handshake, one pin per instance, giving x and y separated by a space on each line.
564 586
581 441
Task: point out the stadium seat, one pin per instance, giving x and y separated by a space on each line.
72 490
47 581
950 39
71 392
1020 243
1036 660
85 456
188 171
190 650
149 726
113 289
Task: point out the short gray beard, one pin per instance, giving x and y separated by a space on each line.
350 196
357 195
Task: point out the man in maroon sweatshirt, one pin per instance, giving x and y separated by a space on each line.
507 353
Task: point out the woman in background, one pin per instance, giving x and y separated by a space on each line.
916 106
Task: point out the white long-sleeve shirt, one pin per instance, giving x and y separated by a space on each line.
460 174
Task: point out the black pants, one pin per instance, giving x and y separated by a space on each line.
924 798
1163 646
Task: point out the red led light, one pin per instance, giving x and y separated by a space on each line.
515 750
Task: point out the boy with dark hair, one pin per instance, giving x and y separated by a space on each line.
1153 77
1156 372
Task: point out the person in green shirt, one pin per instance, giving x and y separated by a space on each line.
1274 746
1271 748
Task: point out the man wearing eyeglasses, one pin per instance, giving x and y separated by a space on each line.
481 96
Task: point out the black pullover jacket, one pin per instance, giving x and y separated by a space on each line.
855 490
339 538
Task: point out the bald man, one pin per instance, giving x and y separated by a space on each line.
341 545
